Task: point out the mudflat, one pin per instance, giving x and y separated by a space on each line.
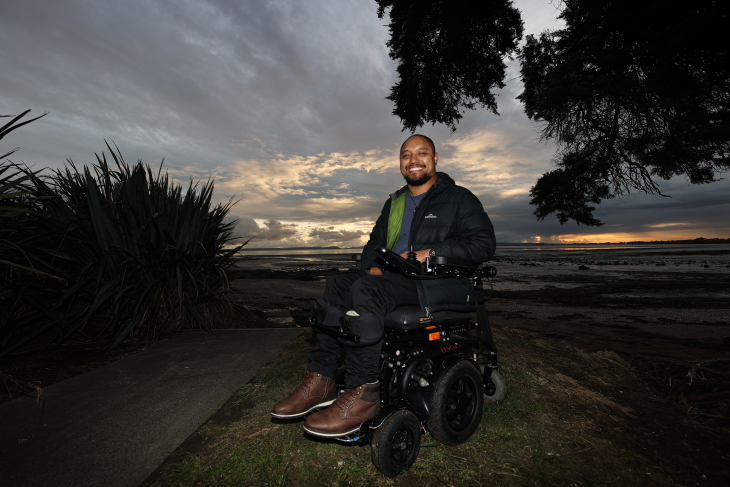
651 300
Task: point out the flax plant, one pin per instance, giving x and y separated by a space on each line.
109 252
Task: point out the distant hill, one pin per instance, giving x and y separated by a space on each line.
700 240
331 247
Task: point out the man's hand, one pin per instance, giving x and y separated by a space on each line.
420 255
375 271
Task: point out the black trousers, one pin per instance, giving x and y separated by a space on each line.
376 295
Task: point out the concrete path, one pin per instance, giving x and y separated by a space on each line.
114 425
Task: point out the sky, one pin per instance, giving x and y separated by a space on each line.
283 104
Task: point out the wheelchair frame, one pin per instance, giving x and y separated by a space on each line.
413 362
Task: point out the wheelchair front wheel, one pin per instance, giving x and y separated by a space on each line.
457 404
396 443
496 389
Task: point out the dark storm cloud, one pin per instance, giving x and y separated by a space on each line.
690 213
198 80
270 230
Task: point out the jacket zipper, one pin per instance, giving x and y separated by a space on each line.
413 222
411 234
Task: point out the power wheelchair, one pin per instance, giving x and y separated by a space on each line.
430 374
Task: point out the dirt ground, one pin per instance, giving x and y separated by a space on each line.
43 366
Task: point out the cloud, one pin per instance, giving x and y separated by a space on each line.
270 230
204 81
332 235
664 225
283 104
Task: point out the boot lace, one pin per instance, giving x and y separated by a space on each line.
310 380
349 397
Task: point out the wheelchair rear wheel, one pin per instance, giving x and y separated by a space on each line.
457 404
396 443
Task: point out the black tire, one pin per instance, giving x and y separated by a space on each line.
396 443
457 404
496 389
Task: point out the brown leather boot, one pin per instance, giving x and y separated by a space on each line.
315 391
346 415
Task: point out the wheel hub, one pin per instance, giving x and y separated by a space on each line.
460 404
401 446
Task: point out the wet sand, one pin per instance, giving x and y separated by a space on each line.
658 301
664 301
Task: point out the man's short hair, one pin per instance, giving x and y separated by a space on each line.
433 146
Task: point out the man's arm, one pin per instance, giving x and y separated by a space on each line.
475 234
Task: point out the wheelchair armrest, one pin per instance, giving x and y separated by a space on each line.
451 262
416 268
477 268
407 266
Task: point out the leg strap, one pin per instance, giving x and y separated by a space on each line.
325 314
368 329
351 331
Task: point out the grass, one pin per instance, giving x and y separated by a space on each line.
569 418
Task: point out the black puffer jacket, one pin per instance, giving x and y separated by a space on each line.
450 220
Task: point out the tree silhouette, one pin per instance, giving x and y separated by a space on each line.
450 56
629 91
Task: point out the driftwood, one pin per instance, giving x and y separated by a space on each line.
686 364
6 378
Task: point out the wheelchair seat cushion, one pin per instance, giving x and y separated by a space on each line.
408 318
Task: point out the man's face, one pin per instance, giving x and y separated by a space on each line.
418 161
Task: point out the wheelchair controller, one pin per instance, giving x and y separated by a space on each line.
431 374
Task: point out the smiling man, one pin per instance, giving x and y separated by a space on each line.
431 215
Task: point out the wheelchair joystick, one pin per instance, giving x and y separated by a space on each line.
412 255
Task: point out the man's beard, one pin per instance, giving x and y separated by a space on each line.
417 181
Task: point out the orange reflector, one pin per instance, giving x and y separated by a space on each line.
434 336
430 327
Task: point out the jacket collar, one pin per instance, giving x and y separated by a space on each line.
444 181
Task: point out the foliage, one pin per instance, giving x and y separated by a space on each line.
450 56
628 91
12 125
108 252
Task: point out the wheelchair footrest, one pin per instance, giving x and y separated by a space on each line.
363 434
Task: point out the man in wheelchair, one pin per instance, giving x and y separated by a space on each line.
431 218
